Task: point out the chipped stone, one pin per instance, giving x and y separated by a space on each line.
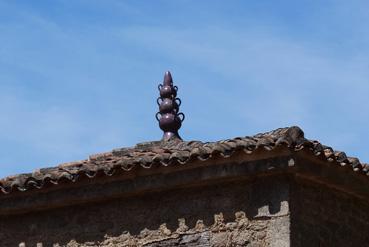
164 230
218 223
200 226
182 227
291 162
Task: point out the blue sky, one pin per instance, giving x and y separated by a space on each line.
80 77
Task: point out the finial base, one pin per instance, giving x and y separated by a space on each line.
171 136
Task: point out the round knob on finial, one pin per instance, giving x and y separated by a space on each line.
169 118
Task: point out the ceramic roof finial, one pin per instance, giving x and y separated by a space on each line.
169 118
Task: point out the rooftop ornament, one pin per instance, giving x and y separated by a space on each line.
169 118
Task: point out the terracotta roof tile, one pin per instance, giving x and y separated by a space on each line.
166 153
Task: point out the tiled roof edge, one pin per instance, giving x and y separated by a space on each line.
166 153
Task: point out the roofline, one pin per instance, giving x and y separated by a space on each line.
280 162
173 153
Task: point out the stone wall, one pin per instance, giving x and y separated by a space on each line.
324 217
253 212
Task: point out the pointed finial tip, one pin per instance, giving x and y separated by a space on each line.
168 78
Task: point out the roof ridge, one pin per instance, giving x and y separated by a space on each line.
164 153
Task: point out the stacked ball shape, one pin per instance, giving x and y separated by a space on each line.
170 120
